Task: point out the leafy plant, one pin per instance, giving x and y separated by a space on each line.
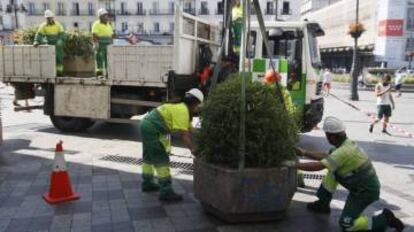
271 133
77 42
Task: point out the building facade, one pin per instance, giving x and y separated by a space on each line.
151 19
389 31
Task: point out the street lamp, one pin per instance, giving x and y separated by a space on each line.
355 30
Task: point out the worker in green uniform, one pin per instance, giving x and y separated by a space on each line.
51 32
102 33
349 166
237 25
155 128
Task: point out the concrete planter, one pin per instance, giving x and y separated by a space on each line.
247 195
79 66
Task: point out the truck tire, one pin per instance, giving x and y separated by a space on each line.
71 124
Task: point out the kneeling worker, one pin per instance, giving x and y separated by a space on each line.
155 128
51 32
349 166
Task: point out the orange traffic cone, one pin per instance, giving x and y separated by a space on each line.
60 186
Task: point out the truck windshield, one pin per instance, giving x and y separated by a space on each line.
281 46
314 31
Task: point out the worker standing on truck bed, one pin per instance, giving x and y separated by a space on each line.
349 166
237 25
51 32
102 33
155 128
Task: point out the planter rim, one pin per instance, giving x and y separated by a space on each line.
285 164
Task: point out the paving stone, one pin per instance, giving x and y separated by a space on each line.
87 228
147 213
20 224
123 226
120 215
106 227
41 223
143 226
82 219
115 194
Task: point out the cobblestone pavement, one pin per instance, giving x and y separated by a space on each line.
104 165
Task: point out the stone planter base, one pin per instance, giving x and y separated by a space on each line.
244 196
79 67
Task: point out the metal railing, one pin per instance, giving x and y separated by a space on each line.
190 10
131 12
161 12
286 12
35 12
76 12
219 11
270 11
61 13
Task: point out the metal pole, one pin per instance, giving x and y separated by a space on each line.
276 10
354 69
242 134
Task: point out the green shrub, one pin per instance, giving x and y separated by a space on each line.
77 42
271 132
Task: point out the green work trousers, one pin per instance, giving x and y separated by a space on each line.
359 198
155 154
101 53
237 27
60 55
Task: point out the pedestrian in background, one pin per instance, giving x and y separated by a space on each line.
327 80
384 103
400 75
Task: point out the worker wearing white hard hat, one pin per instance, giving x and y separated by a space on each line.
349 166
155 128
51 32
103 34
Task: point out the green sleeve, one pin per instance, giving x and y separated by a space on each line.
335 160
40 34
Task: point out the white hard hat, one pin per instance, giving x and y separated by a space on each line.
333 125
49 14
196 93
101 12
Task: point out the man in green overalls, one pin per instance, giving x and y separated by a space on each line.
51 32
349 166
155 128
237 25
102 33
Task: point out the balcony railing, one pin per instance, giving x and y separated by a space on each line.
286 12
131 12
75 12
61 12
35 12
189 10
219 11
204 11
161 12
270 11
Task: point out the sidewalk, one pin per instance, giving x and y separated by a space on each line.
104 166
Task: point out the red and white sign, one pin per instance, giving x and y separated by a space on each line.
391 27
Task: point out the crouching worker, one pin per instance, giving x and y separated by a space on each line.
349 166
155 128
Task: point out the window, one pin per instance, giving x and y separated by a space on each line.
171 27
286 8
75 8
31 10
155 7
123 8
90 8
220 8
140 28
270 8
46 6
171 7
60 8
156 27
124 27
140 10
204 8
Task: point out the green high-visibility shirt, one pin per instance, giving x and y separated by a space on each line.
345 159
102 30
176 116
52 32
237 12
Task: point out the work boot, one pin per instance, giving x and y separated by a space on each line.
386 132
319 207
150 187
392 221
371 128
170 196
99 73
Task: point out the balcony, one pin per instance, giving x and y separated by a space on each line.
219 11
76 12
35 12
161 12
270 11
61 12
204 11
131 12
286 12
190 11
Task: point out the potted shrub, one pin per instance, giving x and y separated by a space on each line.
263 189
79 54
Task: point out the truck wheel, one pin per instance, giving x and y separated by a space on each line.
71 124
